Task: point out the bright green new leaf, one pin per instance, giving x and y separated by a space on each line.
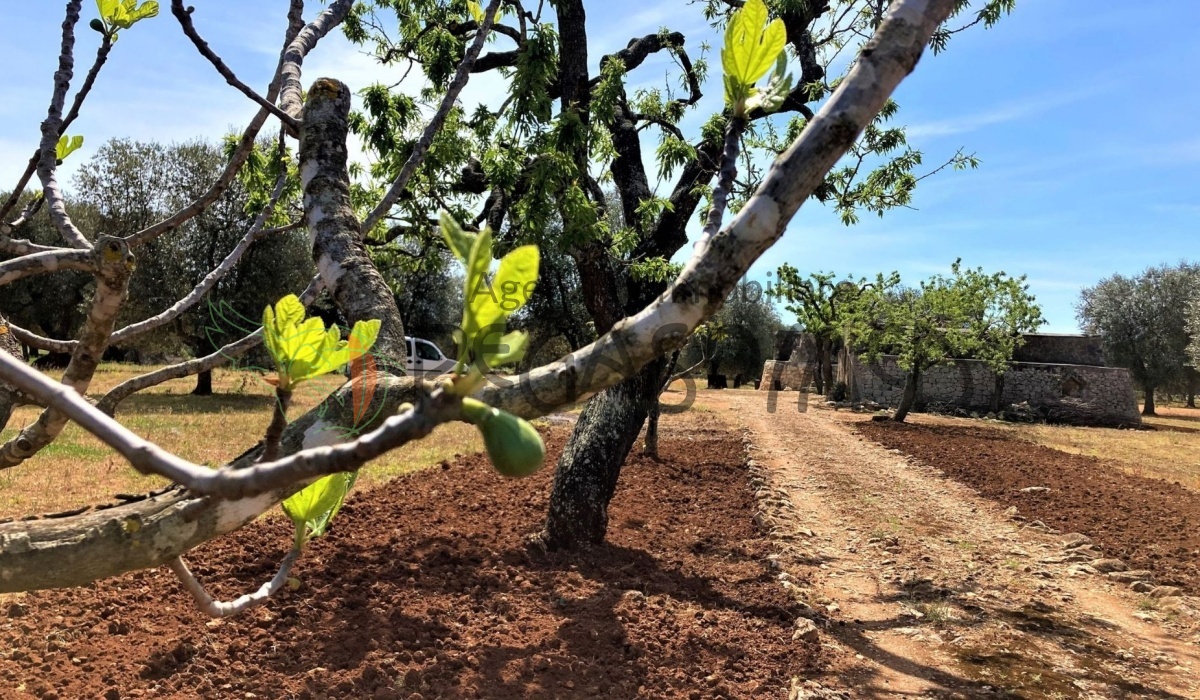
778 87
511 287
459 241
476 10
303 348
67 145
510 348
362 337
752 44
317 526
478 294
313 507
123 14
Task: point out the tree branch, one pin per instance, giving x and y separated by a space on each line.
113 265
76 104
421 147
299 48
210 280
342 261
240 154
46 261
214 608
52 127
185 22
223 356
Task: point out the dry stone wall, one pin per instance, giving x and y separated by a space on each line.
1058 392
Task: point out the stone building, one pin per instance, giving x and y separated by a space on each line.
1059 378
795 363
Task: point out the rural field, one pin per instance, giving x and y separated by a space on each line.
913 552
643 350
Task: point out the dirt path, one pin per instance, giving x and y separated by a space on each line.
924 589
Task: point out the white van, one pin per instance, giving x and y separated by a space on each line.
425 358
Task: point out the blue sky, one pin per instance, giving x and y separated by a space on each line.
1082 114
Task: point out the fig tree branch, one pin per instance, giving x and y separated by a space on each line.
184 15
210 280
52 128
76 104
215 608
221 357
299 47
240 154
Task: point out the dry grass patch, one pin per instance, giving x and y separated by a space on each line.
77 469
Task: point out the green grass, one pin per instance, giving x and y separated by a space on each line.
77 469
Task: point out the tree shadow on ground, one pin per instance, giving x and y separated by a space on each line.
188 404
1019 667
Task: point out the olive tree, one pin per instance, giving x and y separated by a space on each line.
1143 321
378 408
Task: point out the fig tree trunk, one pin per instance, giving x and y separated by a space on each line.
587 472
910 395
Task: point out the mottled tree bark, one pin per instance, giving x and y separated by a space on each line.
347 270
590 465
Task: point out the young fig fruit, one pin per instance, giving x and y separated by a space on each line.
513 446
97 25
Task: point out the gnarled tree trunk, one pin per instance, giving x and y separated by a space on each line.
590 465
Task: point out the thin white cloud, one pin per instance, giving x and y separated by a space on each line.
1002 113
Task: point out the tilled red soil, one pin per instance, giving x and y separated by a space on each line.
1148 523
425 589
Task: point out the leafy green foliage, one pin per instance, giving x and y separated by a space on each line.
1144 320
966 314
258 176
313 508
752 45
488 302
122 14
66 146
513 446
303 348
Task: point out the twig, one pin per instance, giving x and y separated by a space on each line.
223 356
76 104
185 21
435 125
210 280
720 195
52 127
215 608
283 399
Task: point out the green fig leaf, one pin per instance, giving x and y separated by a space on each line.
460 242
